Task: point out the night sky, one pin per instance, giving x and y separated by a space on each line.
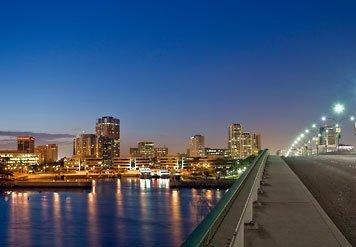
171 69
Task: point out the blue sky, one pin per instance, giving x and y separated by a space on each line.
170 69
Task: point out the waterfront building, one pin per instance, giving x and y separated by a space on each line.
124 163
26 144
161 152
85 145
141 162
169 162
105 149
18 159
196 146
108 133
216 152
146 149
47 153
82 164
235 141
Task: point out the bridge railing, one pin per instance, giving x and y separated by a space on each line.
243 192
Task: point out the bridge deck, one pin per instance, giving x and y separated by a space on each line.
289 214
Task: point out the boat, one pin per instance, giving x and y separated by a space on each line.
163 174
145 172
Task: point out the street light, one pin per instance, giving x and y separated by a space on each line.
323 118
339 108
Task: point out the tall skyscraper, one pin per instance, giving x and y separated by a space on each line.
108 134
26 144
247 143
47 153
85 146
196 146
235 141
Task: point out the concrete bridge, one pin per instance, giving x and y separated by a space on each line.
269 205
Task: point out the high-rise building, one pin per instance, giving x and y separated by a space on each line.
26 144
108 134
146 149
85 146
256 143
247 145
161 152
235 142
47 153
196 146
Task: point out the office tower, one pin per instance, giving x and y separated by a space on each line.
247 144
161 152
85 146
146 149
235 141
26 144
256 143
196 146
47 153
108 134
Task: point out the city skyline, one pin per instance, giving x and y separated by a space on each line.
180 69
67 142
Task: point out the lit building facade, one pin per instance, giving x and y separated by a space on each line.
26 144
85 145
108 133
235 141
169 163
47 153
196 146
217 152
242 144
16 158
161 152
146 149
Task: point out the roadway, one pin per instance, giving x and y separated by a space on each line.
332 181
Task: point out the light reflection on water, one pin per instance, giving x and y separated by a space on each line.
127 212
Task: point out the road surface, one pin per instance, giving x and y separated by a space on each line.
332 181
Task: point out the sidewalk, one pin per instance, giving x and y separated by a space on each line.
289 215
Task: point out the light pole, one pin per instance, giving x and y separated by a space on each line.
338 109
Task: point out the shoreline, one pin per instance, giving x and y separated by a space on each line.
202 184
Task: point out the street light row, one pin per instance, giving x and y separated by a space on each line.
338 109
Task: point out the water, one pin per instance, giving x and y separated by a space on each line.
127 212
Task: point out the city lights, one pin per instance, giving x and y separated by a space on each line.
325 136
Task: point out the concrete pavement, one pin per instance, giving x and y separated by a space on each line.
288 215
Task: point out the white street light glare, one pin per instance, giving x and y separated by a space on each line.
339 108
